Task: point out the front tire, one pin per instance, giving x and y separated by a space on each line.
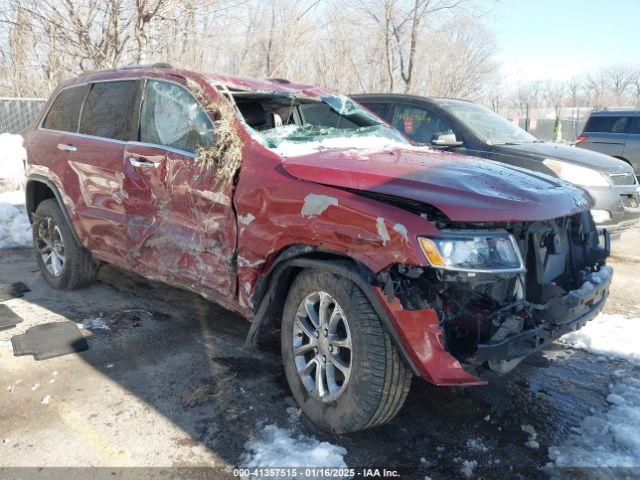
64 264
340 363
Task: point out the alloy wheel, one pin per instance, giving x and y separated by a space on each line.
322 346
50 246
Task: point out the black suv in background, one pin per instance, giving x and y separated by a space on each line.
614 132
469 128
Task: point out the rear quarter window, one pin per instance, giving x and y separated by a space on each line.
108 110
608 124
634 126
65 109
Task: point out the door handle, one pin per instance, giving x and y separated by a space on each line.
68 148
142 163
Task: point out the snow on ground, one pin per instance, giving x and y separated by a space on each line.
14 224
610 438
613 336
274 446
12 160
15 230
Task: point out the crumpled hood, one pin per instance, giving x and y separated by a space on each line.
464 188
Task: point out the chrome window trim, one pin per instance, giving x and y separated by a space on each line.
87 82
143 79
163 147
84 135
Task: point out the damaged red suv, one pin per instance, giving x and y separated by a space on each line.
374 260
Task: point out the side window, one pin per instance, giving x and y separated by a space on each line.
379 108
634 126
620 125
108 110
418 124
172 117
65 109
607 124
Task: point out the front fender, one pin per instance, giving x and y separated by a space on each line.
416 334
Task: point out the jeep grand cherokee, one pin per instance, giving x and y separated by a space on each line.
375 260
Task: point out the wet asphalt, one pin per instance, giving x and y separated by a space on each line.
170 384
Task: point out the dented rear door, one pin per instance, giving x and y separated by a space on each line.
180 219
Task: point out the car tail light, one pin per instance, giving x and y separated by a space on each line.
581 138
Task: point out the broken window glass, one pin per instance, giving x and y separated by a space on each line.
172 117
293 126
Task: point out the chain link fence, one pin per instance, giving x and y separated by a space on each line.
543 128
18 114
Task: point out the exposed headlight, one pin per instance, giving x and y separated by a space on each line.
583 176
473 251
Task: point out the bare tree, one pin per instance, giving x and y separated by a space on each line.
402 25
619 77
382 45
555 96
635 85
574 88
462 66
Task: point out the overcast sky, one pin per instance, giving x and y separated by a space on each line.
557 39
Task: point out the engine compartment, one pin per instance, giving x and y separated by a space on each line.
483 314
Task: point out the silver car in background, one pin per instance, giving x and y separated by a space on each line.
615 133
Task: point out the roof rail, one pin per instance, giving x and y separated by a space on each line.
279 80
127 67
147 65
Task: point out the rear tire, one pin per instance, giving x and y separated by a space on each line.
64 264
377 381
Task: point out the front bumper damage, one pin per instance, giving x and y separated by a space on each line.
453 323
574 310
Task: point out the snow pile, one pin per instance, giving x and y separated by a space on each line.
614 336
533 435
594 278
476 444
606 439
467 467
12 160
14 224
610 438
15 230
283 447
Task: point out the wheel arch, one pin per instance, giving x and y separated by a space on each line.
272 288
40 188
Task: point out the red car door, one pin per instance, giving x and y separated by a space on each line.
95 165
180 220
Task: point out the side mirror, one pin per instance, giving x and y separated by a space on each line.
445 140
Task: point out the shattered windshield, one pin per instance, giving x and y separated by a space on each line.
492 128
292 126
